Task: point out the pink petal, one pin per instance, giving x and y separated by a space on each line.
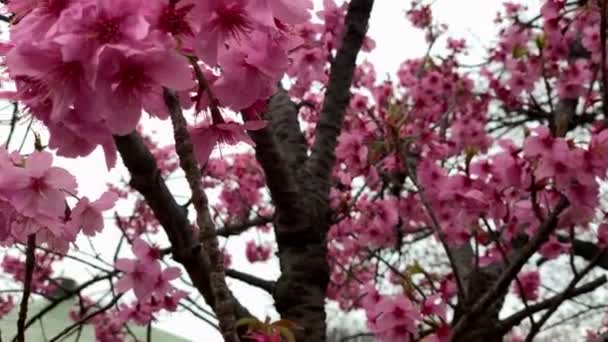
124 284
106 201
38 163
171 70
125 265
59 178
171 273
140 248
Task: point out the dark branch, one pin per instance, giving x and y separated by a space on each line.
280 181
283 114
266 285
337 96
86 318
586 250
30 260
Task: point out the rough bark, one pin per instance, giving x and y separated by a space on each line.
223 306
287 131
299 186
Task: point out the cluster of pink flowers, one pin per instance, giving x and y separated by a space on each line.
256 253
144 275
527 285
87 68
33 200
391 318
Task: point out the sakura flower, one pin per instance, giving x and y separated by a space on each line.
68 83
130 82
553 248
258 336
530 282
205 137
6 305
396 320
163 285
142 274
434 305
38 188
224 22
101 24
143 251
602 235
139 275
250 71
256 252
88 215
174 17
287 11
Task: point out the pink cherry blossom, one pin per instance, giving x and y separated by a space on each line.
530 282
205 137
88 215
39 188
553 248
134 81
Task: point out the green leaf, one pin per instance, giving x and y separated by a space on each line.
519 51
415 268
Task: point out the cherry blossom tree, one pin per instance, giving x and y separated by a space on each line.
438 201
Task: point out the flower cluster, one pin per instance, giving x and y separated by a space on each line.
144 275
33 200
87 68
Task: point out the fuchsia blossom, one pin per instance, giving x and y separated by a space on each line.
225 21
553 248
95 66
88 215
144 275
205 137
530 282
255 252
135 80
38 188
393 319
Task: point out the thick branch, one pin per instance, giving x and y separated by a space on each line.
323 156
146 179
224 303
266 285
280 181
283 114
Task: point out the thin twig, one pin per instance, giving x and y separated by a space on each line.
266 285
578 277
86 318
27 286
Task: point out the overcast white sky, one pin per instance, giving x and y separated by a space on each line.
396 40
